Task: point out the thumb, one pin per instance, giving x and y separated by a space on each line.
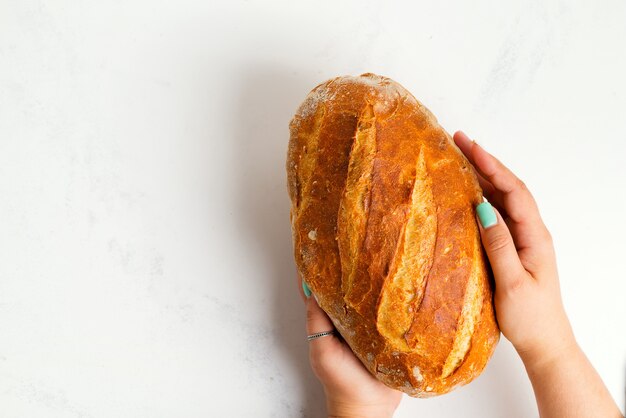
318 321
500 248
316 318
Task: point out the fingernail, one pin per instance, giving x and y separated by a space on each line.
486 215
307 291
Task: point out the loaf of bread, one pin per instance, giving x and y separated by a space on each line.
384 233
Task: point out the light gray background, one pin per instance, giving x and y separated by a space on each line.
145 257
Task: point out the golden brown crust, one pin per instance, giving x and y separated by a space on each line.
385 236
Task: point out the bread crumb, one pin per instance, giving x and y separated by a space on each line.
313 234
417 373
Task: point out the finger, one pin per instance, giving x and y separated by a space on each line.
301 287
529 232
500 248
465 145
488 189
318 321
537 258
316 318
516 198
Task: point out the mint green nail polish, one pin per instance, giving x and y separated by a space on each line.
307 291
486 215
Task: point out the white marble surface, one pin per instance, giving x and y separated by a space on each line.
145 254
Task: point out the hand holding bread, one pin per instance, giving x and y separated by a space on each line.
527 294
350 389
522 259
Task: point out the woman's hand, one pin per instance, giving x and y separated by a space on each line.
351 391
527 296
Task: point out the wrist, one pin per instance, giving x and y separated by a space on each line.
546 357
339 409
551 345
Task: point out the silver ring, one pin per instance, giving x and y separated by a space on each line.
319 335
